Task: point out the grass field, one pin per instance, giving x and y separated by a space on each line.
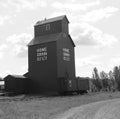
43 107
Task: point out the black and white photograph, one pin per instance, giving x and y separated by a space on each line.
59 59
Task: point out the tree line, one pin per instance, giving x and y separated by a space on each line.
102 81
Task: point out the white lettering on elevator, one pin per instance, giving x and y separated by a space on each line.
41 54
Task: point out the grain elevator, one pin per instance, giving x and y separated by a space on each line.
51 57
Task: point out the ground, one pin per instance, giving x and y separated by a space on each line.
109 109
43 107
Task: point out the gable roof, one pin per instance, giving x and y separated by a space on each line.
51 20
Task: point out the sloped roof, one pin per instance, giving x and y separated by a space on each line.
71 40
16 76
48 38
26 74
51 20
45 39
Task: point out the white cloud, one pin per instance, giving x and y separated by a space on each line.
26 4
1 55
86 34
85 65
24 69
87 61
3 19
5 73
74 6
98 14
115 61
19 43
3 47
2 3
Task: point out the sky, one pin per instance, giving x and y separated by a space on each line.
94 27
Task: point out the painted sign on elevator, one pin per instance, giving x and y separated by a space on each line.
41 54
66 54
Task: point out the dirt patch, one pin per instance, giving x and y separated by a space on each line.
108 109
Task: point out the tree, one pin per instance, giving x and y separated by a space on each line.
111 76
103 75
116 74
104 79
95 74
96 79
112 82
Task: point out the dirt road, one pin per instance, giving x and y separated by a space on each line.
109 109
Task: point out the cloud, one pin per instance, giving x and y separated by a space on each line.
3 47
3 19
24 4
74 6
71 0
86 34
115 61
5 73
24 69
87 61
19 43
85 65
98 14
1 55
83 32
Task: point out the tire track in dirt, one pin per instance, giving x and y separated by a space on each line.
109 109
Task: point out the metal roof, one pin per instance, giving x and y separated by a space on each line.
45 39
16 76
48 38
51 20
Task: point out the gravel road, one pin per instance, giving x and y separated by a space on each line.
109 109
